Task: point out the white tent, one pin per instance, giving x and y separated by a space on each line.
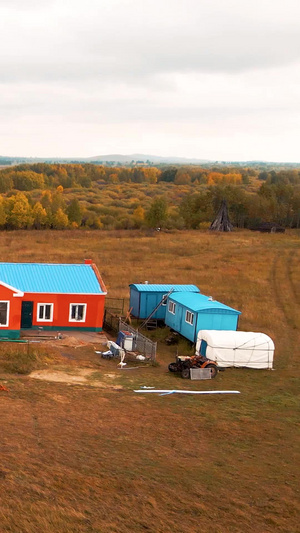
236 348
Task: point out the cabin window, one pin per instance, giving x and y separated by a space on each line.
189 317
164 298
45 312
4 314
172 307
77 312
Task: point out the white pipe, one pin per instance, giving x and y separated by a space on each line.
190 391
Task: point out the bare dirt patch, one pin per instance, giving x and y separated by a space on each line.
83 376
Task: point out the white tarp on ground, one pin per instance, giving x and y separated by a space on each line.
237 348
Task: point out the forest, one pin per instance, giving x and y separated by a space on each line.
59 196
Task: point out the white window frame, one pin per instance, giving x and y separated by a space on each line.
7 313
172 308
164 296
84 312
190 319
39 305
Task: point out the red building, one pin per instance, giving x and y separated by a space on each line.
51 297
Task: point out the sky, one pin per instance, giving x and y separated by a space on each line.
207 79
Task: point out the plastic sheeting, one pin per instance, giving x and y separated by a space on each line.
237 348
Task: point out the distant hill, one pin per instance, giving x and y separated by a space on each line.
126 159
111 158
146 159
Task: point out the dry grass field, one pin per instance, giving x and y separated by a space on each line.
95 457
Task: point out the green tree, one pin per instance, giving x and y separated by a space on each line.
58 202
168 174
46 200
195 209
157 213
74 212
91 220
6 183
27 180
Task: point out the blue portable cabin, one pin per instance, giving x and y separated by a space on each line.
188 313
144 297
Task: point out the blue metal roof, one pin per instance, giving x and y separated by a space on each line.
150 287
199 302
51 278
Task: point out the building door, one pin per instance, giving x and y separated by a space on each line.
26 315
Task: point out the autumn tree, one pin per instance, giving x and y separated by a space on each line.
182 178
139 216
151 174
60 220
40 217
20 215
3 214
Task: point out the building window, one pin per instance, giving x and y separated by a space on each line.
189 317
164 299
77 312
172 307
45 312
4 314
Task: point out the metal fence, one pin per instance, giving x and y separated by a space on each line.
111 321
115 305
140 343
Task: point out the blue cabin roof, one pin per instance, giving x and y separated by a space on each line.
199 302
51 278
159 287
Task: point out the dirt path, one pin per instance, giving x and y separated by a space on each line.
292 263
284 289
286 299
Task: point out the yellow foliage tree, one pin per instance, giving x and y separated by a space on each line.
60 220
20 216
113 178
182 178
151 174
3 215
139 216
40 216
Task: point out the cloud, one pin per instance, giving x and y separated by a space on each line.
149 76
134 40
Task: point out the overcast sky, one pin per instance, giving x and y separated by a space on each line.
212 79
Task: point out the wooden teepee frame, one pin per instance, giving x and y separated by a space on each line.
222 222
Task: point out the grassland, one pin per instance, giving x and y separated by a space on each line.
100 459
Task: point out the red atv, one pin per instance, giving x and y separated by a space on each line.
183 365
